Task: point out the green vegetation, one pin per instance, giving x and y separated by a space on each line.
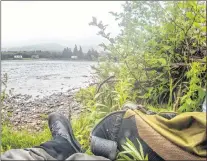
11 139
158 60
160 53
130 152
82 127
4 80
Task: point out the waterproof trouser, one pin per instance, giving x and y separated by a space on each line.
59 148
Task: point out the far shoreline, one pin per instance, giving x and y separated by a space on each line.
44 59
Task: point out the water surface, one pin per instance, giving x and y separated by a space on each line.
44 77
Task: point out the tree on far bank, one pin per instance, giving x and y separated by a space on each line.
75 51
67 53
92 54
80 53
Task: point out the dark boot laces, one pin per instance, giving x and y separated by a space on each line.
57 132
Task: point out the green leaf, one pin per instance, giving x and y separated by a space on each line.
196 24
166 47
100 105
190 15
98 95
141 149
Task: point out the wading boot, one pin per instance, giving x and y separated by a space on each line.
60 126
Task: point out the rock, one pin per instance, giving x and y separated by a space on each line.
22 127
35 116
38 122
33 124
37 128
10 110
15 123
27 112
17 111
18 117
75 108
4 107
51 106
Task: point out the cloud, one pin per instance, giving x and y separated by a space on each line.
30 22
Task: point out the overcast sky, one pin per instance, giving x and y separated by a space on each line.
29 22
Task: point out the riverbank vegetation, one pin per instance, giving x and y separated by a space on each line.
162 61
158 60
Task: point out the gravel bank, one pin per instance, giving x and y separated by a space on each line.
24 112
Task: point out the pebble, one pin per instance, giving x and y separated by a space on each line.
32 113
18 110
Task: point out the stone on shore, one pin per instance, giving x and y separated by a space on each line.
22 111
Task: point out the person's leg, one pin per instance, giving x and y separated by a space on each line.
61 147
58 148
116 128
64 143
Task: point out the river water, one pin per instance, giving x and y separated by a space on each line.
44 77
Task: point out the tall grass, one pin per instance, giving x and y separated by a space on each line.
130 152
12 139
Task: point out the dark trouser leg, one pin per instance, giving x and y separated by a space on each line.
58 148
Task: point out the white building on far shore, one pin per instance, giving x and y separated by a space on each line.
17 56
74 57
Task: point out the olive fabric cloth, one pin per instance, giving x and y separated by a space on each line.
181 137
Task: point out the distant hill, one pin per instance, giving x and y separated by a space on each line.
49 47
43 47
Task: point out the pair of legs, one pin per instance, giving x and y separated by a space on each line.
106 138
64 144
